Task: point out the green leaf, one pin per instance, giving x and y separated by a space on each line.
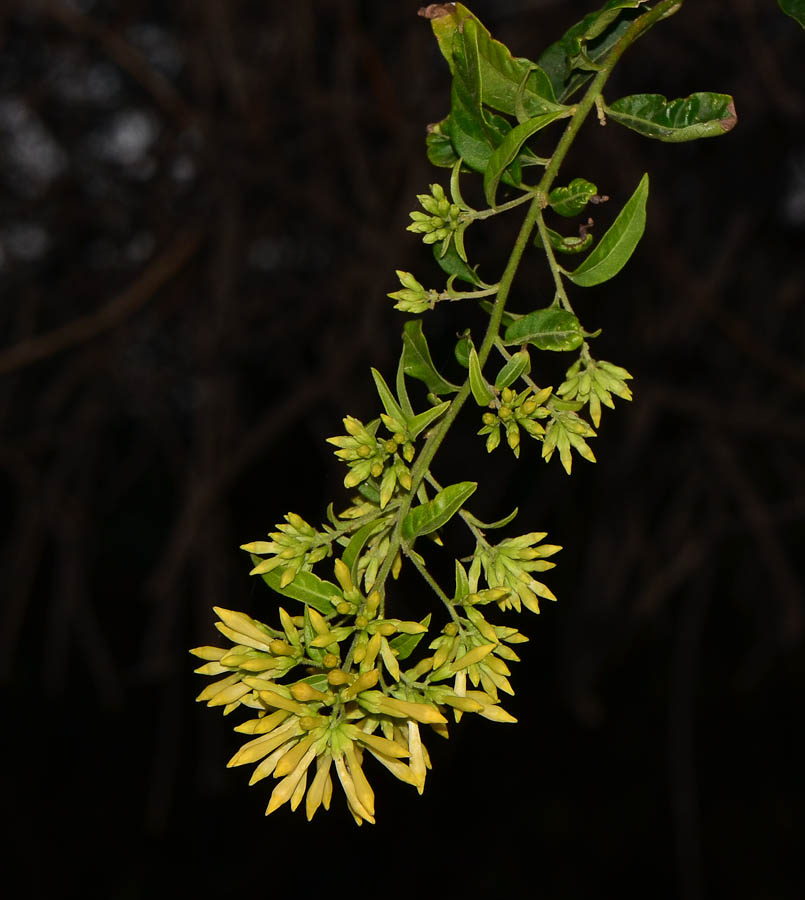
462 583
519 364
417 360
617 245
480 389
547 329
405 644
506 153
402 390
387 398
453 264
435 513
419 423
569 62
563 244
462 350
306 587
795 9
570 201
439 147
499 523
505 79
698 116
354 548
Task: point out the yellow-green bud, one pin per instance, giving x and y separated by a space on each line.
364 450
330 660
451 629
508 395
377 469
336 677
361 621
488 418
344 607
505 413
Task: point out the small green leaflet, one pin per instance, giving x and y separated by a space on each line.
700 115
795 9
480 389
387 399
519 364
417 360
563 244
354 548
405 644
462 350
505 154
440 148
453 264
306 587
433 514
547 329
570 201
614 249
421 421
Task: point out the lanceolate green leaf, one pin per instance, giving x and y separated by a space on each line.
404 644
480 389
698 116
795 9
504 78
453 264
437 512
419 423
306 587
387 398
570 201
614 249
547 329
507 151
417 360
519 364
354 548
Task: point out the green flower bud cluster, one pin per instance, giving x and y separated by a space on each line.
413 297
295 546
509 565
593 382
347 705
371 457
514 412
442 221
567 430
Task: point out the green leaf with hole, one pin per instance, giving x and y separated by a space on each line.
509 148
700 115
453 264
570 201
435 513
795 9
614 249
519 364
306 588
417 362
478 385
547 329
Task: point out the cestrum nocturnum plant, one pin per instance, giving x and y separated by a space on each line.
339 684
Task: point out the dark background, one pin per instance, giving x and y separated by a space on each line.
202 207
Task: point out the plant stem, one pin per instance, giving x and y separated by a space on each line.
439 432
561 295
